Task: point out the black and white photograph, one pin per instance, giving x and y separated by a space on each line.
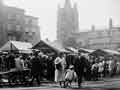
59 44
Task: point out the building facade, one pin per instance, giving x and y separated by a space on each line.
68 28
67 21
99 38
13 25
32 30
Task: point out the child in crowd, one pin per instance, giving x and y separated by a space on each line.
70 76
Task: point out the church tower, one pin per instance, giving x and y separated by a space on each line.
67 21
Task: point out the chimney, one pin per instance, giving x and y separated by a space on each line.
93 28
67 4
110 23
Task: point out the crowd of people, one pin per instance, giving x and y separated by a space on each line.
104 67
40 66
76 67
63 68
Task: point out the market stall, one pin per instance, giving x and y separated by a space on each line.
17 46
106 53
48 47
71 49
84 50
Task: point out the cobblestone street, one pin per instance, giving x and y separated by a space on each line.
107 84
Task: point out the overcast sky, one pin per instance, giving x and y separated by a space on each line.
91 12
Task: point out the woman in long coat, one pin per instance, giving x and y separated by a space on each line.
60 65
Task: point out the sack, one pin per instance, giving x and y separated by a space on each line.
59 66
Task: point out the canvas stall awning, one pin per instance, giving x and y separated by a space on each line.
59 47
112 51
48 47
22 47
104 52
71 49
84 50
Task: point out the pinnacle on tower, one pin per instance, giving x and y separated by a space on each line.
67 4
58 5
75 5
110 23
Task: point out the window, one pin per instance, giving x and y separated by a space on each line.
30 33
30 21
9 16
14 38
33 33
11 37
18 27
26 30
26 41
34 22
26 21
17 17
99 34
9 26
12 17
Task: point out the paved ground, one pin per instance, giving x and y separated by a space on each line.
107 84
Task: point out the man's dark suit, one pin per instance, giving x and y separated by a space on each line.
80 64
36 69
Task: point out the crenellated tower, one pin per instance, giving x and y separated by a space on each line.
67 21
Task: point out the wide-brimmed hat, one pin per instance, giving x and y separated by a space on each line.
71 66
57 61
40 54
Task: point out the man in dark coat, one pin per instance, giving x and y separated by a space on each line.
80 65
88 70
50 69
11 61
35 69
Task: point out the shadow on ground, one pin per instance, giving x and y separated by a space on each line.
89 88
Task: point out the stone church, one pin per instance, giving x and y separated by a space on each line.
68 21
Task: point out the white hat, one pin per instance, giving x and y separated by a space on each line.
71 66
57 60
40 54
